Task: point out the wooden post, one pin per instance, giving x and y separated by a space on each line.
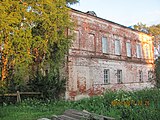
18 97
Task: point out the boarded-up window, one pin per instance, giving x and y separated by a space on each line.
76 40
138 50
90 42
104 45
128 48
117 47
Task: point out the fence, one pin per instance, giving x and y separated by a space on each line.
18 94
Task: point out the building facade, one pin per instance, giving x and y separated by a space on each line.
107 55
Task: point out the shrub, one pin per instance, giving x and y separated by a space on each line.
157 72
51 86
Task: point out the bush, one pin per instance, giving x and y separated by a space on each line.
50 86
102 105
157 72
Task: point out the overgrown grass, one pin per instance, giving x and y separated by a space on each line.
139 105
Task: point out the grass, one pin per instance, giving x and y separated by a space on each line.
31 110
139 105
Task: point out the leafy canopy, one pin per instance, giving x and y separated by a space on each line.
32 32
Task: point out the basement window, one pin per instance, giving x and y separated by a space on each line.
119 76
106 76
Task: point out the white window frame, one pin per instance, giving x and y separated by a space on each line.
128 49
117 47
147 51
139 51
106 76
105 46
119 76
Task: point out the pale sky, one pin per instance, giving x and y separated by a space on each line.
124 12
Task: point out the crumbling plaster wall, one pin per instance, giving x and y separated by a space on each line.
86 61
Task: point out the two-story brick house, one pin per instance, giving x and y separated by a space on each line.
107 55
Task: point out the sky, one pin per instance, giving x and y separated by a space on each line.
124 12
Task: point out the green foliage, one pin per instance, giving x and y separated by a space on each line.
141 27
157 72
51 86
99 104
142 104
72 1
15 38
155 29
3 89
33 33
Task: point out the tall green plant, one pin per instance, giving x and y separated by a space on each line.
51 86
15 38
157 72
33 33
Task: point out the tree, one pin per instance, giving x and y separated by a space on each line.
15 38
141 27
72 1
32 32
155 31
157 72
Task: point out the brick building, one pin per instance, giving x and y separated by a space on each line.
107 55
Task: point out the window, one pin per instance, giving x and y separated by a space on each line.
117 47
150 75
147 51
76 40
138 50
90 43
106 76
140 76
119 76
128 48
104 45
